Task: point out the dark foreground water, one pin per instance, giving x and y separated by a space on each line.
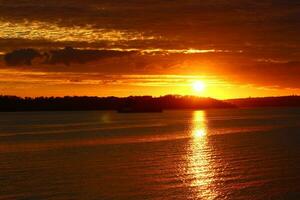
215 154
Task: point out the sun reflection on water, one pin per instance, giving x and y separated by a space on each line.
199 133
199 124
200 165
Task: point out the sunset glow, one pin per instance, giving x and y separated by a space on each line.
58 53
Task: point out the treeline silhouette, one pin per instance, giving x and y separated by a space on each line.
75 103
283 101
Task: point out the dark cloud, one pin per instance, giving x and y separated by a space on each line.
21 57
69 55
65 56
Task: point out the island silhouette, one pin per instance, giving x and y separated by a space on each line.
137 103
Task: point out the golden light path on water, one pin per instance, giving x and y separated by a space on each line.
200 165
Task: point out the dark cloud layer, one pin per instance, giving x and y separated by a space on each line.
21 57
65 56
238 20
191 23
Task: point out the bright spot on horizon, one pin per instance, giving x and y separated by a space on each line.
199 133
198 86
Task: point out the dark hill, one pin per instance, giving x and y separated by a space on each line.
13 103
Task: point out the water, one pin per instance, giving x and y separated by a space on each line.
215 154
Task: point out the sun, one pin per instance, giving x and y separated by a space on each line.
198 86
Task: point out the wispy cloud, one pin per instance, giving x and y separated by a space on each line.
103 79
36 30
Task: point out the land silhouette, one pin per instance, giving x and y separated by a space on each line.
137 103
140 103
283 101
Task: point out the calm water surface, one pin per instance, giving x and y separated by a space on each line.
215 154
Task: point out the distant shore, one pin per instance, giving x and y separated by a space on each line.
148 103
281 101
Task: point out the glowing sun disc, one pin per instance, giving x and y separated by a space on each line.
198 86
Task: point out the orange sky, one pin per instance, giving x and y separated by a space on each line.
236 49
56 84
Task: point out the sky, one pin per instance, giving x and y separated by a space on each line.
234 48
